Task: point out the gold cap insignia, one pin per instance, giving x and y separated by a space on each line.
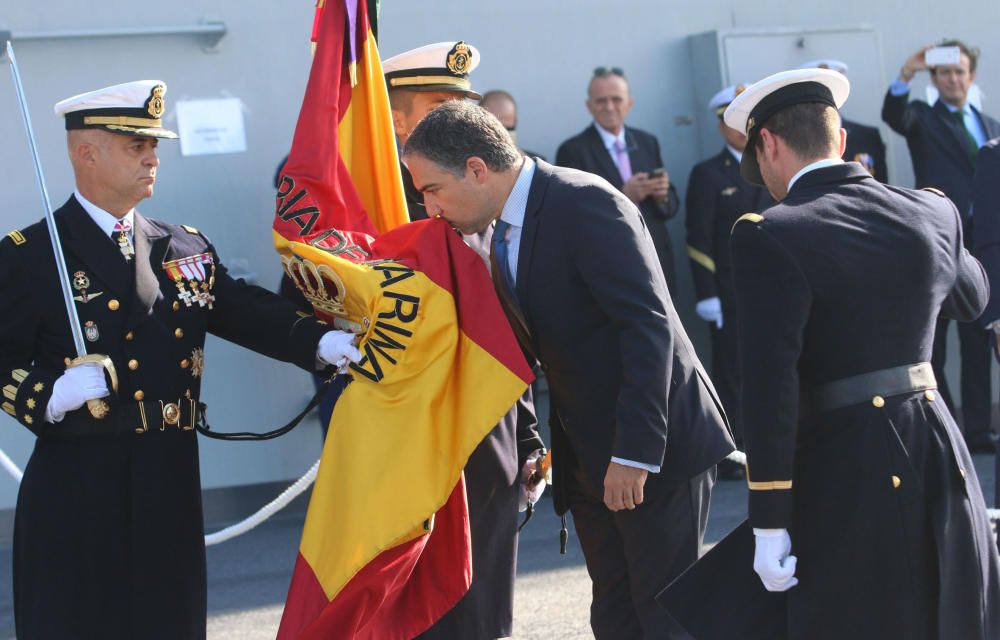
459 58
739 89
154 106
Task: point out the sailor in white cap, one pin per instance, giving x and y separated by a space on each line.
420 80
716 197
109 540
863 498
864 142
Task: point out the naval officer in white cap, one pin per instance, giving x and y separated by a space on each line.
420 80
108 536
864 501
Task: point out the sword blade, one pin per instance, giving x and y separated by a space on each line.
62 270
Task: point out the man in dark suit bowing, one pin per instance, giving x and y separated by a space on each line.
627 157
637 426
943 139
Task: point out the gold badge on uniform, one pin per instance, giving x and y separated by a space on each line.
154 106
459 58
90 330
81 283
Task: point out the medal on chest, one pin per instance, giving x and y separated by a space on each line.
194 277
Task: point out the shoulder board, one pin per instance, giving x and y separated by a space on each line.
936 192
749 217
190 229
17 237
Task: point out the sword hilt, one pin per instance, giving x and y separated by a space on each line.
97 406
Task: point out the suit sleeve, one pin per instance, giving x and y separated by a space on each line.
897 112
617 262
664 209
262 321
26 388
701 207
773 300
986 217
565 157
528 440
971 291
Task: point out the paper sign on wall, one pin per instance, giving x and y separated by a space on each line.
211 126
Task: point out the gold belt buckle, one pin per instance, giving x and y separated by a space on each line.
171 414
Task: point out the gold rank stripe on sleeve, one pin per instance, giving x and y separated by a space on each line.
749 217
701 258
773 485
17 237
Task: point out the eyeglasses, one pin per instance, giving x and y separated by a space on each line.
600 72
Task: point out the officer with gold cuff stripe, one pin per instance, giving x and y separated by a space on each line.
859 499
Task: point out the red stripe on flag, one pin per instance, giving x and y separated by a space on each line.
398 595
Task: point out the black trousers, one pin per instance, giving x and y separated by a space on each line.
977 397
632 555
726 369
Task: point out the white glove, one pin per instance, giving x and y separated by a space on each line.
771 559
337 348
532 482
710 310
73 388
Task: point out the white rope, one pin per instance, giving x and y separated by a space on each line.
11 468
266 511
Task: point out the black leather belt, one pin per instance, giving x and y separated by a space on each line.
133 417
866 387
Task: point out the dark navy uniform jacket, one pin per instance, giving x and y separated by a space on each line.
986 208
716 197
865 146
846 276
937 144
108 539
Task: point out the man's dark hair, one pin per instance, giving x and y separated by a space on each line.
458 130
972 52
810 129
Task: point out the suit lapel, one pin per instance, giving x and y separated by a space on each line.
609 170
150 248
956 133
529 232
990 126
82 237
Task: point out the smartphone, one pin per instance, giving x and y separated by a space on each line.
658 173
942 55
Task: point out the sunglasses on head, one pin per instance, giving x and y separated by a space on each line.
604 71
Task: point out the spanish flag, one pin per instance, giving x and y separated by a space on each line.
385 550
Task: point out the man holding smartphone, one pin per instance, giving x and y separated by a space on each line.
944 139
627 157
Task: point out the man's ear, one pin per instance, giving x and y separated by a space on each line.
399 123
843 142
477 168
85 154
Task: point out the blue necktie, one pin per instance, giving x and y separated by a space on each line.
500 252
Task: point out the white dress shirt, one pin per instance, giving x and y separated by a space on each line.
513 214
819 164
103 219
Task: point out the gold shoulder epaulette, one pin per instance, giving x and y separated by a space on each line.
190 229
17 237
748 217
937 192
